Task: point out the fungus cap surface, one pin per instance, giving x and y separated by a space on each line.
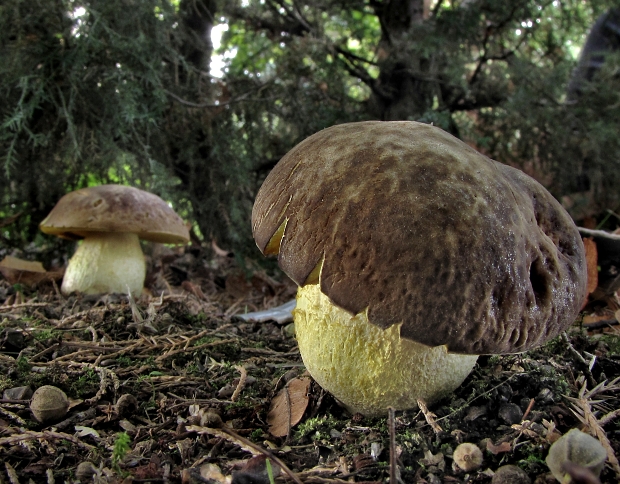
115 208
412 225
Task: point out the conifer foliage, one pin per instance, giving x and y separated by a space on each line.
100 91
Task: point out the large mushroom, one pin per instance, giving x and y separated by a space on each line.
110 220
413 254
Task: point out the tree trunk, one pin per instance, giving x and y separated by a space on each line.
403 90
198 17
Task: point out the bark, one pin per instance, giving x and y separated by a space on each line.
403 90
198 17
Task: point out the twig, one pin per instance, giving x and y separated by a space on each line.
393 462
159 359
583 410
245 444
242 379
13 479
46 434
608 417
528 409
429 416
576 354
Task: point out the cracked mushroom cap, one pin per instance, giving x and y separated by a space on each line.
406 222
115 208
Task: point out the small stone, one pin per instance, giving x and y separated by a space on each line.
49 403
510 474
210 419
85 471
126 405
13 338
545 396
433 479
17 393
474 412
468 457
510 413
226 391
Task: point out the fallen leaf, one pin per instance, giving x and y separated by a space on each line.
237 285
499 448
431 459
5 222
81 431
22 271
255 471
591 263
288 406
212 472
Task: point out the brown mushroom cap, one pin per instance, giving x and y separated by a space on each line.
417 227
115 208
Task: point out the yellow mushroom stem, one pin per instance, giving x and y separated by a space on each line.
368 368
104 263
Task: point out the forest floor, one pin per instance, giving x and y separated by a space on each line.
175 387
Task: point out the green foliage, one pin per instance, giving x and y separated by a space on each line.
87 383
122 445
23 365
93 92
270 472
99 92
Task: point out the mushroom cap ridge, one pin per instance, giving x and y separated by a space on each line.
115 208
414 226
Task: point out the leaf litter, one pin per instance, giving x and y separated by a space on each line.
174 386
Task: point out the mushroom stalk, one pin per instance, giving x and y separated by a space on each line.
368 368
106 262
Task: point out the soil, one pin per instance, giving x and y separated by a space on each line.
175 387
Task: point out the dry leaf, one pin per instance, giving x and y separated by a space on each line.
288 407
219 251
431 459
22 271
212 472
591 263
81 431
194 289
238 286
499 448
255 471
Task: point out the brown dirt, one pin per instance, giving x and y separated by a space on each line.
174 388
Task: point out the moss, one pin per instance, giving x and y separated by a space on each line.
86 384
318 427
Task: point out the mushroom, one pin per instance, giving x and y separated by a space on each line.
413 254
111 220
576 449
49 403
468 457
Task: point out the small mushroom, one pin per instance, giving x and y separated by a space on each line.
110 220
49 403
467 457
413 254
578 449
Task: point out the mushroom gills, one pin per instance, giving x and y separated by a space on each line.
106 262
368 368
